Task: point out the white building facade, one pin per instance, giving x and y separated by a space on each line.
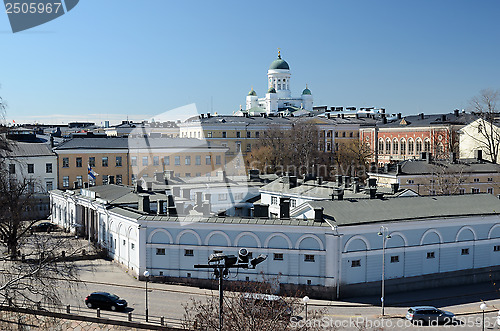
329 258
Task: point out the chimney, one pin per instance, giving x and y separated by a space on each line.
179 208
384 120
328 115
205 207
342 115
202 116
75 185
171 210
138 187
338 192
423 156
357 116
456 112
208 115
347 181
51 142
443 118
421 116
429 157
373 192
318 214
290 181
355 187
186 193
159 177
453 157
338 179
284 208
372 182
319 180
159 207
144 203
254 175
260 210
478 154
394 188
399 169
199 198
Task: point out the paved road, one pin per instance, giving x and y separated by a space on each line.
350 314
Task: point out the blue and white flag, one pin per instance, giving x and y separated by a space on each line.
92 174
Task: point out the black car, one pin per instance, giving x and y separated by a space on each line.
105 300
44 227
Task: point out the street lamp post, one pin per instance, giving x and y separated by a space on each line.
146 274
305 300
384 233
483 307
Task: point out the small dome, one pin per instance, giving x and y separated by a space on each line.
271 90
252 92
306 91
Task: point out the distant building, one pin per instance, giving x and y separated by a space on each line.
278 97
403 138
480 135
428 176
154 129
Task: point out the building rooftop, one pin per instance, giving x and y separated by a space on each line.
134 143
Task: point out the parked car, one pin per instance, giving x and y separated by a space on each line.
44 227
429 314
105 300
266 306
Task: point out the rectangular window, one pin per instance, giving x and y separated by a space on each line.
166 160
410 181
278 256
274 200
177 160
132 246
208 160
31 168
475 190
355 263
156 160
92 162
188 252
309 258
118 161
249 147
188 174
461 191
65 162
249 134
395 259
490 179
222 197
257 134
238 134
217 159
78 162
209 134
496 248
119 179
104 179
476 180
48 168
160 251
105 161
79 180
49 186
66 181
224 134
187 160
198 160
431 255
144 160
465 251
133 161
293 203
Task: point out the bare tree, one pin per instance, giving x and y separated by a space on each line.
486 132
352 158
251 306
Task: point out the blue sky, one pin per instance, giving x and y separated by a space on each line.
106 60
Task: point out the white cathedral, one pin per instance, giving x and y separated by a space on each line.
279 98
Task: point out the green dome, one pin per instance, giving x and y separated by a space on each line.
279 63
271 90
306 91
252 92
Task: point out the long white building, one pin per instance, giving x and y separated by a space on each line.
331 249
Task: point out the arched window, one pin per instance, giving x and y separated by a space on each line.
427 145
395 145
381 146
388 146
403 147
411 146
419 146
